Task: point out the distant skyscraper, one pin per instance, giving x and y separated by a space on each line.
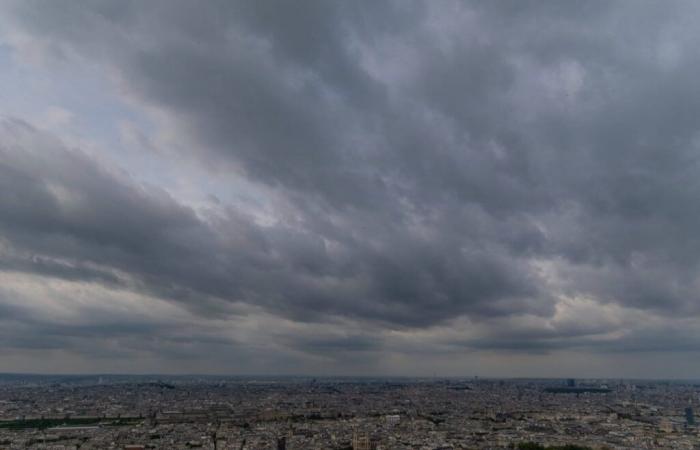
689 416
571 382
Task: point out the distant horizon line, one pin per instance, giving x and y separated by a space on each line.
430 377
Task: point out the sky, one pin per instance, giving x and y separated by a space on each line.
501 188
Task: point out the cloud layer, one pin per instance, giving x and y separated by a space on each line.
351 187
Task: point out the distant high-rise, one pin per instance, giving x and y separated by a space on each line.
689 416
571 382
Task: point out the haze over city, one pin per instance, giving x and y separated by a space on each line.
415 188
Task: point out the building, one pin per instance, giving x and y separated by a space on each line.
393 419
689 416
362 441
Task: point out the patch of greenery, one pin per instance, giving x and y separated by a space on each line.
78 421
535 446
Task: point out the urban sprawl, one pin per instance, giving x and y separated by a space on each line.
246 413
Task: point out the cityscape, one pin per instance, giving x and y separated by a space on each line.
349 224
295 413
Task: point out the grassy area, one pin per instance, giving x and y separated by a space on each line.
78 421
535 446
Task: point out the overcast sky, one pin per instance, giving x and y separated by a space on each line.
493 188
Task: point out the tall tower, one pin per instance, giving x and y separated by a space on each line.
689 416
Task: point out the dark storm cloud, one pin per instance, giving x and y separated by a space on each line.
66 216
434 155
665 338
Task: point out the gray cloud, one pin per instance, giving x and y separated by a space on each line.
435 161
76 220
